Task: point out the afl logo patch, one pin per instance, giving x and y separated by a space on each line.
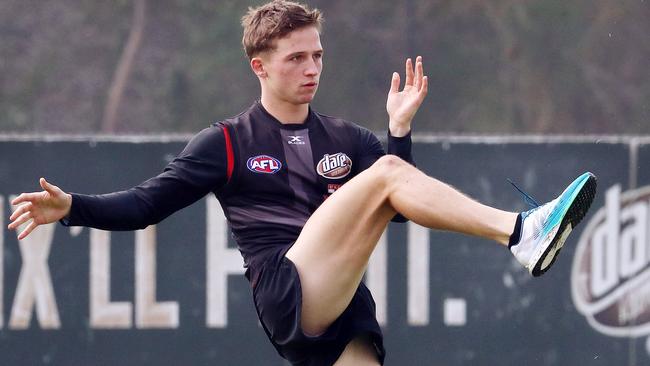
264 164
335 166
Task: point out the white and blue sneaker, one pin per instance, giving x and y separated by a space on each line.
545 228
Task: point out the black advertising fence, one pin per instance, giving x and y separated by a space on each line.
173 294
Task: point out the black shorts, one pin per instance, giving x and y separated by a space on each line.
278 300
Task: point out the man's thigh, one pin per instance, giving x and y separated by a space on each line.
332 251
277 297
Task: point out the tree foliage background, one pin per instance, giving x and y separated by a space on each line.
499 66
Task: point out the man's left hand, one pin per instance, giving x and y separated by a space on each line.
402 105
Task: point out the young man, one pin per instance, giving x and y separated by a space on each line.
307 196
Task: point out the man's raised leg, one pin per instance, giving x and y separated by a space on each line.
332 251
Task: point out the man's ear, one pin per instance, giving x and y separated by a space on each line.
258 67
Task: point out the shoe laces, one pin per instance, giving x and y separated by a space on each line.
538 220
526 197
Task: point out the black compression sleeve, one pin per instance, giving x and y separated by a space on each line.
401 146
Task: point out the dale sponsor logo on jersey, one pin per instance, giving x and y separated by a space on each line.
264 164
334 166
610 278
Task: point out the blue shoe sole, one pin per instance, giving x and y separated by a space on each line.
574 214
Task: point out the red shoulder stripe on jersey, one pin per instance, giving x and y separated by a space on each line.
229 153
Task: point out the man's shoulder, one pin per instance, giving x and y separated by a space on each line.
337 121
236 119
352 128
208 135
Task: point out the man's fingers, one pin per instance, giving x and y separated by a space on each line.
409 73
422 93
25 197
19 199
425 86
20 210
20 220
394 83
32 225
51 189
418 73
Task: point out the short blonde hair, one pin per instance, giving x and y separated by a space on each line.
273 20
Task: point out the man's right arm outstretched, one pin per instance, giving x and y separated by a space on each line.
199 169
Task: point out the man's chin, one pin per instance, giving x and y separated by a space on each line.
306 99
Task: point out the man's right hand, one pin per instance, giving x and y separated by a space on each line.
47 206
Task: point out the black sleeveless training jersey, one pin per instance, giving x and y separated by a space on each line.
269 178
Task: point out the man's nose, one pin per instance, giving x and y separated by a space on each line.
312 68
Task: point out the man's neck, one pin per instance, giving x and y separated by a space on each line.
286 113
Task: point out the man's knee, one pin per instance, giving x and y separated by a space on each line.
389 161
389 166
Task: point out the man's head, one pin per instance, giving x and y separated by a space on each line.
282 41
267 23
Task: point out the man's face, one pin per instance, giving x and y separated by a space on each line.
292 70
